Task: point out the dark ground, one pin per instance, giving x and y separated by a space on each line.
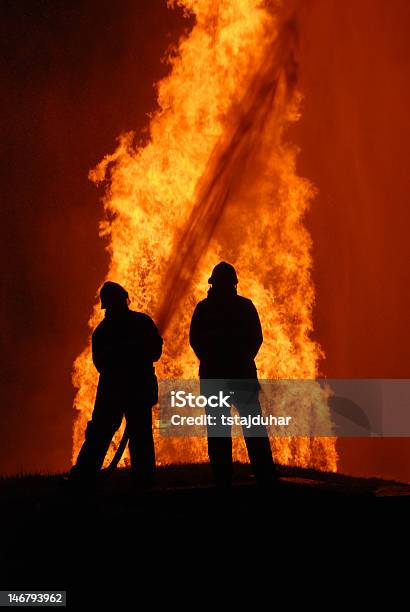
57 538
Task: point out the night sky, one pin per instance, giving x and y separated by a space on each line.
76 74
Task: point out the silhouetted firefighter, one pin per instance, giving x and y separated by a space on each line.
124 346
226 335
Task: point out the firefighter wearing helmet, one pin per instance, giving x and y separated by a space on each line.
124 346
226 336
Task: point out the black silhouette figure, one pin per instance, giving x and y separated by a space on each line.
124 346
226 335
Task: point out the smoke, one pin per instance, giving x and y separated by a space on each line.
237 162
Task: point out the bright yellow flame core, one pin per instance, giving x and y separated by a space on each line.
154 188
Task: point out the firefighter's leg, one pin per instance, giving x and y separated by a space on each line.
256 437
219 435
220 447
141 442
105 421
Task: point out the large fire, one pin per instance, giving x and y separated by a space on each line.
216 180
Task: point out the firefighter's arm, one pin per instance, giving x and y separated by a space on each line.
254 337
98 352
145 340
196 339
156 342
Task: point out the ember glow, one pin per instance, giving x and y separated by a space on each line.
216 180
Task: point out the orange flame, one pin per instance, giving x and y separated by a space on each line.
217 180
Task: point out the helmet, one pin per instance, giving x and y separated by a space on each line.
223 274
112 294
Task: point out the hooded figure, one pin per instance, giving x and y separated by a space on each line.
226 336
124 346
